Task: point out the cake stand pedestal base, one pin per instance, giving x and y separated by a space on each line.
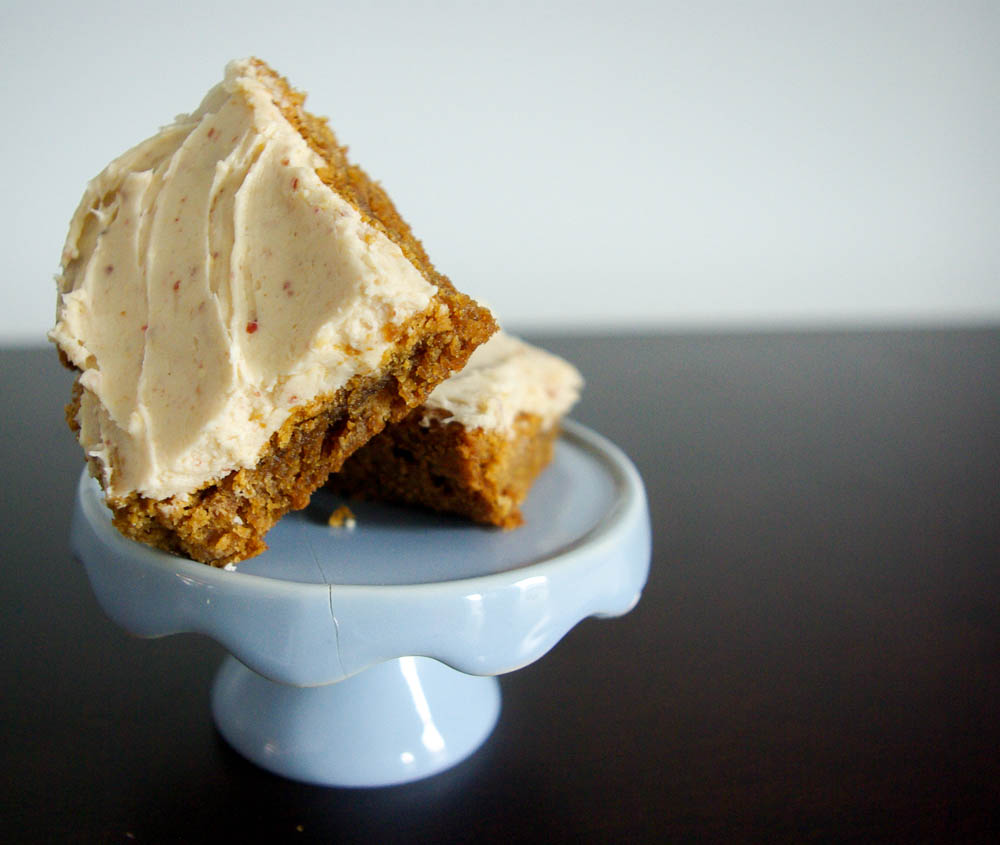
395 722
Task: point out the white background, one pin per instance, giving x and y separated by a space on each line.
576 165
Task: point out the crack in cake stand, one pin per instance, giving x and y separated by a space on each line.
368 656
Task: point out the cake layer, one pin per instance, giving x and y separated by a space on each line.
213 283
476 445
231 287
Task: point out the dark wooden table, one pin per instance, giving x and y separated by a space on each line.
816 655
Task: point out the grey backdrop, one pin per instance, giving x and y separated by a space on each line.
574 164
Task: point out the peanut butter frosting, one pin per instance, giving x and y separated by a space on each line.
211 283
506 377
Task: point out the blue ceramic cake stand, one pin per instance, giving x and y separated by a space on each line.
366 656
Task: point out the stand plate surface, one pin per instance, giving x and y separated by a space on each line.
401 545
323 605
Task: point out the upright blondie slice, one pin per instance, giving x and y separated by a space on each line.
245 308
475 447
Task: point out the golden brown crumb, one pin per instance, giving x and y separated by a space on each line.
481 475
342 517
